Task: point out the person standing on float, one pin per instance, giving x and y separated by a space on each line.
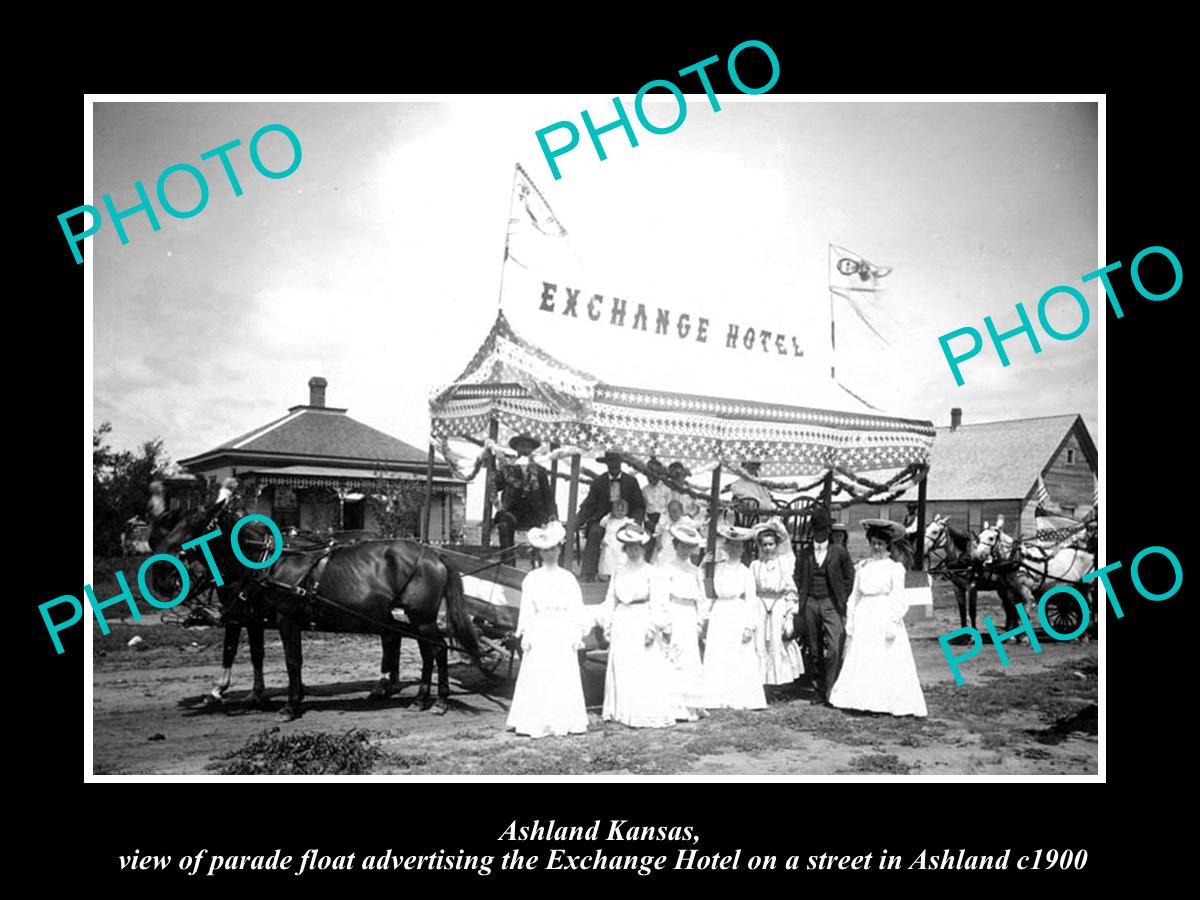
731 669
548 698
637 689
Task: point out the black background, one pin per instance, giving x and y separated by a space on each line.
1148 453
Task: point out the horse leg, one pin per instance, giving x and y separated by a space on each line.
426 668
443 672
255 637
960 595
233 636
290 634
972 598
389 678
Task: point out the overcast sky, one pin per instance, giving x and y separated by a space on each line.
377 264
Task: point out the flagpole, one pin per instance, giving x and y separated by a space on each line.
832 327
507 234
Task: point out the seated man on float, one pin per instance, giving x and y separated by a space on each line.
526 497
606 487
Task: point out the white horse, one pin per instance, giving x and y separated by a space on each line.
1040 567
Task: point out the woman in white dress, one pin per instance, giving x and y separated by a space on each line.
778 654
731 670
878 673
637 688
548 698
685 601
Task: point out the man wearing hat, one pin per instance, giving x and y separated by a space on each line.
607 487
745 489
824 577
526 495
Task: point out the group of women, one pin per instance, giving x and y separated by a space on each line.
656 618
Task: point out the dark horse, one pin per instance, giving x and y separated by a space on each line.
357 589
236 613
961 568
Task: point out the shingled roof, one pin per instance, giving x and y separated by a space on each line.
998 460
316 432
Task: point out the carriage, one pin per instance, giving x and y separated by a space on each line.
512 386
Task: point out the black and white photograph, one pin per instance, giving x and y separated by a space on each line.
691 437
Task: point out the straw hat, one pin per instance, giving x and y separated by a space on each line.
632 534
524 438
685 533
891 530
773 527
733 532
550 536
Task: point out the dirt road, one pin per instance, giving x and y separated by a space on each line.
1037 717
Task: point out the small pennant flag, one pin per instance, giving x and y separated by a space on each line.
855 279
1058 535
1045 505
850 272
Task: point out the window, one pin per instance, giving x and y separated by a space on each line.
284 510
352 515
1070 457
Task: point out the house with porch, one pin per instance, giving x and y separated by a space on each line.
319 470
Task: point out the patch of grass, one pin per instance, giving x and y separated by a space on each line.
875 763
765 736
316 753
993 740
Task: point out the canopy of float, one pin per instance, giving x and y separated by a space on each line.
527 390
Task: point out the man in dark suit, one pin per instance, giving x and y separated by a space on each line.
526 495
824 577
612 485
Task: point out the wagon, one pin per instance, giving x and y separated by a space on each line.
511 386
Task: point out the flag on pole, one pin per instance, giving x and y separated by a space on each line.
529 213
1045 505
855 280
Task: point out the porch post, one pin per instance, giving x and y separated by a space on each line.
428 508
919 550
572 508
489 490
713 511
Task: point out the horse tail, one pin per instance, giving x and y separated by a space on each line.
461 628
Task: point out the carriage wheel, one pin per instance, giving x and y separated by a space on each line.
1063 613
492 653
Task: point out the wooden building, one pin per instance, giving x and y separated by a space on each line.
319 470
979 472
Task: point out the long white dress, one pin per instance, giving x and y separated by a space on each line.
878 674
685 600
637 689
779 660
548 698
731 673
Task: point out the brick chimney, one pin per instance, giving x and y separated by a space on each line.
316 391
955 416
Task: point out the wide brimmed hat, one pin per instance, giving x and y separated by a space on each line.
632 534
773 527
751 462
524 437
891 529
550 536
686 533
822 523
607 455
840 526
734 532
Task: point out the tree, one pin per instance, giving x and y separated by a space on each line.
121 486
396 505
